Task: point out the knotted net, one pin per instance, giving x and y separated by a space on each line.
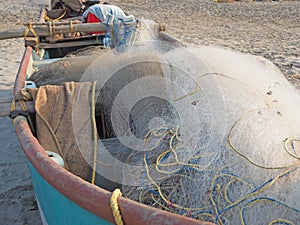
203 132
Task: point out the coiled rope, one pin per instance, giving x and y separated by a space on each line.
115 206
94 133
20 97
56 19
159 197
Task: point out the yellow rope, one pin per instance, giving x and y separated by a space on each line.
276 221
94 132
261 189
162 195
231 145
30 29
161 134
13 108
196 89
26 32
56 19
291 141
115 206
24 108
50 29
163 201
71 27
281 221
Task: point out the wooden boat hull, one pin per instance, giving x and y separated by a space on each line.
55 208
64 196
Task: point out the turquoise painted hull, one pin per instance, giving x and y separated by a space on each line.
56 208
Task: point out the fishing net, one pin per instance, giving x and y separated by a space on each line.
69 68
74 65
186 130
202 132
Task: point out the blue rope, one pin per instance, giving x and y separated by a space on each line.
267 199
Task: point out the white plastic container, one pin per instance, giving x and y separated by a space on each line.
56 158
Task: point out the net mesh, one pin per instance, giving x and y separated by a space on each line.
200 142
202 132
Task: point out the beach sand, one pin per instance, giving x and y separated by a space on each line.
267 29
17 201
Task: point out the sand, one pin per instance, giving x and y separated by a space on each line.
268 29
17 201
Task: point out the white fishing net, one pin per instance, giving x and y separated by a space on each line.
203 132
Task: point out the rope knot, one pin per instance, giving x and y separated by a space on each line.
115 206
21 96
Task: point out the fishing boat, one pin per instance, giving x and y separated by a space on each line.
222 164
64 198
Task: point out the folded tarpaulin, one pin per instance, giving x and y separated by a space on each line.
63 123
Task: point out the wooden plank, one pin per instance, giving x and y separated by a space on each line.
70 44
44 30
168 38
56 23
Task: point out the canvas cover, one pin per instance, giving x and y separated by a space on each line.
57 128
75 5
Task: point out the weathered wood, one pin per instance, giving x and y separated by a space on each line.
171 39
45 30
69 44
6 103
56 23
31 41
